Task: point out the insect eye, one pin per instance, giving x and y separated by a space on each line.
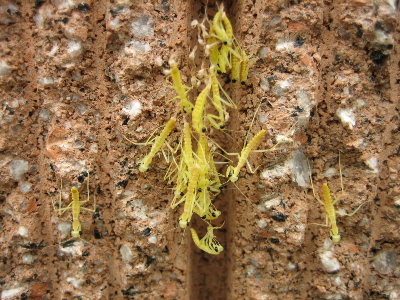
214 215
216 249
204 129
219 72
199 190
243 82
208 188
225 43
222 126
234 80
204 217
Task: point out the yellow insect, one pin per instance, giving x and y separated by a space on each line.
182 179
217 30
184 167
220 41
204 207
75 205
330 208
224 60
187 150
180 88
210 176
198 111
219 103
228 26
158 142
235 73
190 197
208 243
330 211
233 172
244 67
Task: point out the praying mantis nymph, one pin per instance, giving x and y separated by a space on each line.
233 172
208 243
157 142
198 111
75 206
329 204
190 198
180 88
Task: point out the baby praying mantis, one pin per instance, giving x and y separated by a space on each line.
157 142
233 172
219 103
180 88
198 111
190 197
208 243
75 206
329 203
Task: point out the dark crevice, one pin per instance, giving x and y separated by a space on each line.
208 274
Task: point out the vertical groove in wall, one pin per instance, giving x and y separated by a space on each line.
233 254
102 163
208 273
39 219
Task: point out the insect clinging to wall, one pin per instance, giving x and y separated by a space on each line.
157 143
233 172
329 204
198 111
208 243
75 206
182 90
190 198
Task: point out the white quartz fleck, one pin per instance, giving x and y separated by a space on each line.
346 115
132 108
372 163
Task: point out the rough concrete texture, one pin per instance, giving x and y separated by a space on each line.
78 76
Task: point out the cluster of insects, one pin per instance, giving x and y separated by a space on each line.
193 168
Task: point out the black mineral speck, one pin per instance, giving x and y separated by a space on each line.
97 234
123 183
10 110
126 120
280 217
147 231
360 32
83 7
378 57
39 3
149 260
299 41
130 291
